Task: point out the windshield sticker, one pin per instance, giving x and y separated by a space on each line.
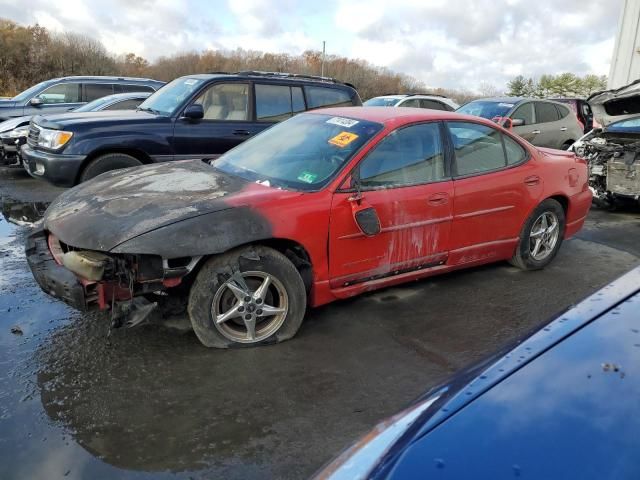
307 177
505 105
343 139
343 122
190 81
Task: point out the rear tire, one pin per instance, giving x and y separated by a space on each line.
230 306
541 237
106 163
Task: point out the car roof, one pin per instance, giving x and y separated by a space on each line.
398 115
275 77
104 78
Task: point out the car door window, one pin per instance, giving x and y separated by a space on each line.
125 105
514 151
297 99
546 112
478 148
562 111
133 88
525 112
414 103
318 97
61 93
432 104
273 103
408 156
225 101
93 91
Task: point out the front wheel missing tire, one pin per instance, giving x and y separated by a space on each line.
247 297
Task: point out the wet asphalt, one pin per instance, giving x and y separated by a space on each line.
151 402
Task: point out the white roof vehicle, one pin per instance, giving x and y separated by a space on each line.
434 102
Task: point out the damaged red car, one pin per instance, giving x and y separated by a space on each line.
324 206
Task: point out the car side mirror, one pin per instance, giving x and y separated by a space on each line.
518 122
364 214
367 219
194 112
36 102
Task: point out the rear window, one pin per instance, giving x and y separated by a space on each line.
622 106
318 97
546 112
432 104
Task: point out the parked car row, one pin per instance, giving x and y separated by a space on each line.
206 115
13 132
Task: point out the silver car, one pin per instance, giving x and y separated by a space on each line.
543 123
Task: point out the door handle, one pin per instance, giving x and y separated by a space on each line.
532 180
438 199
563 129
535 132
243 133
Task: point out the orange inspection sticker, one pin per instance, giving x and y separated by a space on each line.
343 139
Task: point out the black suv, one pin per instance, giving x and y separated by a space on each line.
66 93
192 117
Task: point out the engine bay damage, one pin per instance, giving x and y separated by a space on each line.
614 166
123 284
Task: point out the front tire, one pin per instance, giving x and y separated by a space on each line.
106 163
541 237
249 296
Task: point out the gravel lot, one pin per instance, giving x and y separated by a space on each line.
151 402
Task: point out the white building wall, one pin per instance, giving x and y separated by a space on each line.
625 62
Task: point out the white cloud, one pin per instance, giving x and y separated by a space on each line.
447 43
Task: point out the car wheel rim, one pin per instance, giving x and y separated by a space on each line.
544 236
250 307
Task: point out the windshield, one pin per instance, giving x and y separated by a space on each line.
486 109
95 105
630 124
30 92
166 100
302 153
381 102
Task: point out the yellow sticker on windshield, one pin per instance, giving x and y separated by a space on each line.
343 139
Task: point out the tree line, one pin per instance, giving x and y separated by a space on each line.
563 85
31 54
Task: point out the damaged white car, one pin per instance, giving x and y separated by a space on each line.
613 151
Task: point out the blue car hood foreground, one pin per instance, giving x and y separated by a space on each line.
564 404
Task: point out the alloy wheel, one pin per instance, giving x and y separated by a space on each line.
544 236
250 307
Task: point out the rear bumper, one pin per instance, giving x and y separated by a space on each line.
54 279
61 170
579 206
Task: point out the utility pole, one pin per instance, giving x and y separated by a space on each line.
323 54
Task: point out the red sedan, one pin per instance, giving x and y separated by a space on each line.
324 206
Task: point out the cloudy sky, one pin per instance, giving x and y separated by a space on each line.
444 43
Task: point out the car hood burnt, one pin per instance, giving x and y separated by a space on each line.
118 206
614 105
